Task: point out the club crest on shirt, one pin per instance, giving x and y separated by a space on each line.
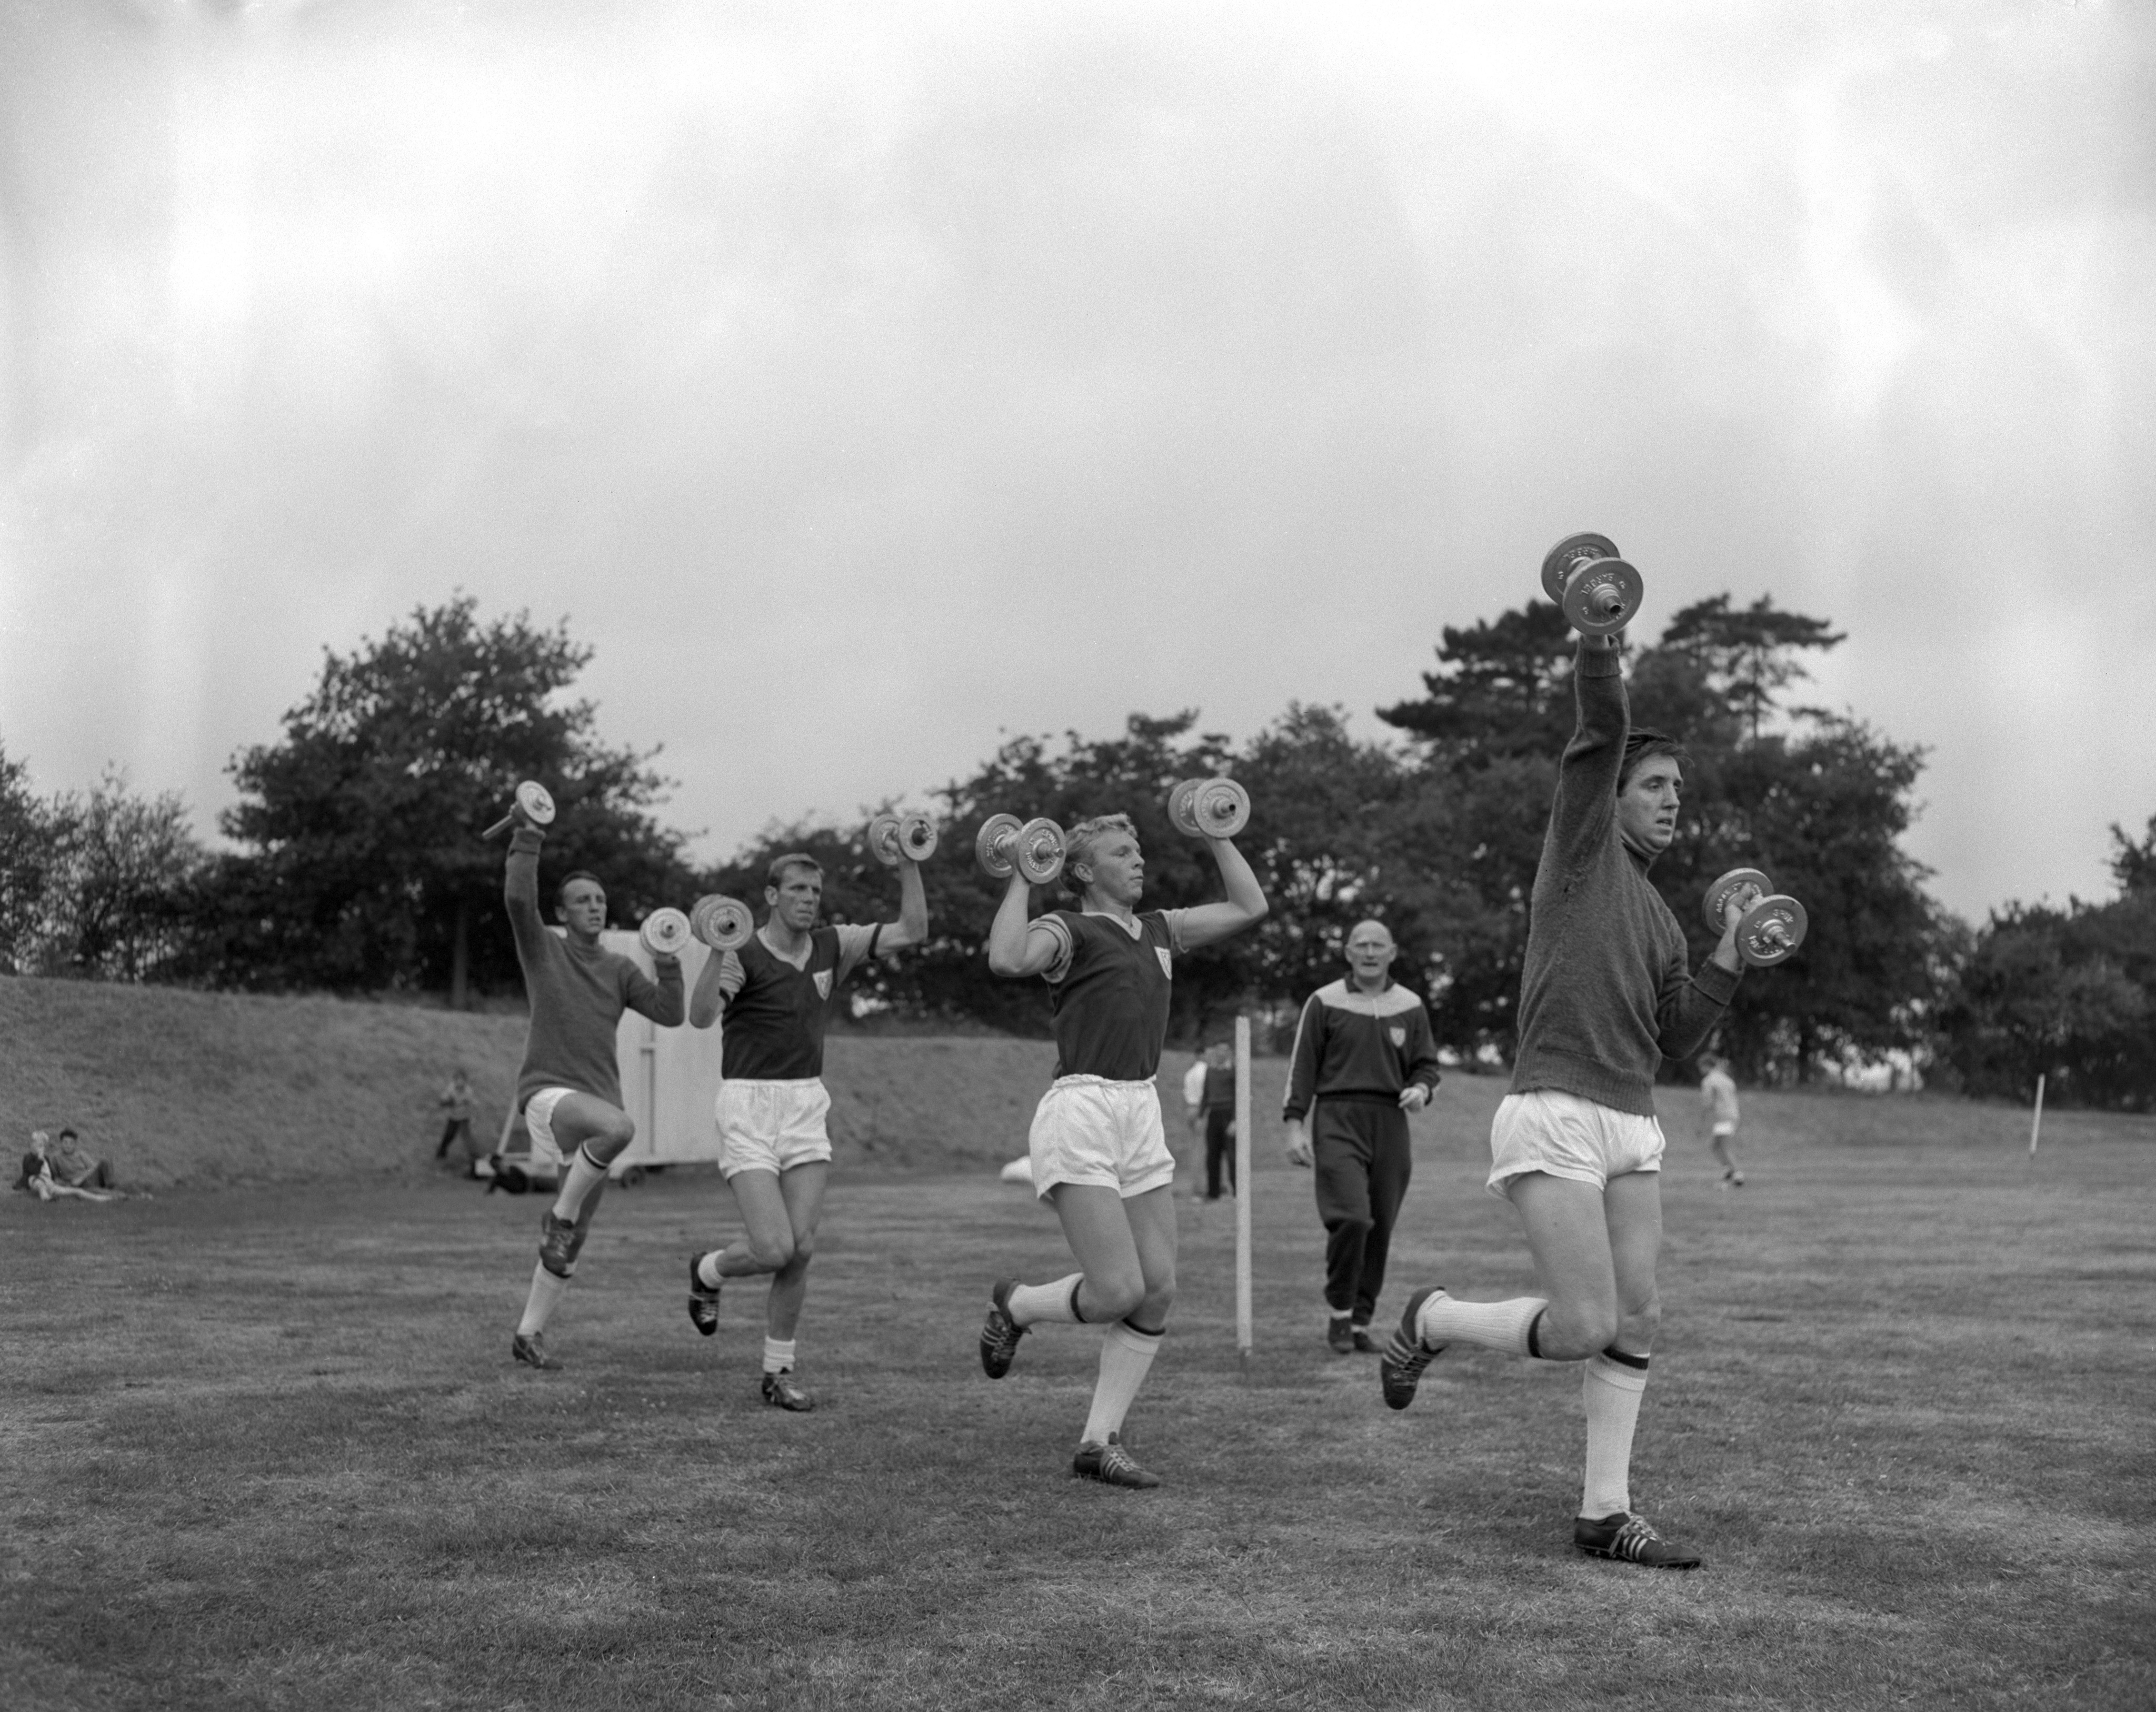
822 980
1167 962
1399 1038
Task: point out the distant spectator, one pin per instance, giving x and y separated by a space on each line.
456 1104
38 1179
1208 1101
74 1168
1718 1097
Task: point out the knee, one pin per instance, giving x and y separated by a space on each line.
1573 1331
1115 1295
774 1253
1356 1228
804 1250
1636 1326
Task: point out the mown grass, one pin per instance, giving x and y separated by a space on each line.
268 1450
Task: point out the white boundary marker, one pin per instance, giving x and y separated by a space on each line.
2036 1123
1244 1185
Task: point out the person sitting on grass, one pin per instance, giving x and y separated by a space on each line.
73 1167
39 1178
1099 1152
777 995
1604 995
569 1087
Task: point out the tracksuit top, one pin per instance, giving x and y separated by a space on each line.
775 1016
1350 1045
578 992
1108 993
1605 994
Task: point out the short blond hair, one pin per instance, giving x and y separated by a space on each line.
1078 846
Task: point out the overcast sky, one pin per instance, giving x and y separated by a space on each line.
869 382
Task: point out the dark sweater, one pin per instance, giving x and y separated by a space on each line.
1605 995
1350 1045
578 992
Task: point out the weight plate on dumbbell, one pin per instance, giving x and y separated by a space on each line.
917 838
883 840
1179 814
1567 555
665 933
536 801
1727 887
721 923
994 844
1221 808
1602 596
1771 929
1040 851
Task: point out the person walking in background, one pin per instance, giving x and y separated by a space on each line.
1718 1096
1365 1056
1208 1103
456 1104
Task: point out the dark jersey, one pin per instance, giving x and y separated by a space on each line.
1109 992
774 1021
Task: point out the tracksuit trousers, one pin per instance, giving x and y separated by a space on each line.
1363 1160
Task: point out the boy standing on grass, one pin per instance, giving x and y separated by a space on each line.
776 994
1718 1096
569 1088
1100 1154
1574 1146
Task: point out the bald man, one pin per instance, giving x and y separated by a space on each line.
1364 1055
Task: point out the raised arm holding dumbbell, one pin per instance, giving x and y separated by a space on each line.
569 1087
1098 1148
1605 994
776 986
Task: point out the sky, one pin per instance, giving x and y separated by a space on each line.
868 383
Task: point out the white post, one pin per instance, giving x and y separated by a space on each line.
2036 1123
1243 1186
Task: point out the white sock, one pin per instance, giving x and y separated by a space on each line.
547 1293
1488 1325
777 1355
707 1270
1029 1304
577 1182
1611 1392
1126 1357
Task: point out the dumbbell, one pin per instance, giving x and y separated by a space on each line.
1034 849
1208 807
533 804
894 838
721 923
1772 926
1596 590
666 932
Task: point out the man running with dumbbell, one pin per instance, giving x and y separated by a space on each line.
776 994
1100 1154
569 1088
1604 996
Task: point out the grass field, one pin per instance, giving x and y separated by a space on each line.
266 1449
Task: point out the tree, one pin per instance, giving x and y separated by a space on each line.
361 866
25 856
1749 656
120 886
2069 995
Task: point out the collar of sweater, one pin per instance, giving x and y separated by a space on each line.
1345 995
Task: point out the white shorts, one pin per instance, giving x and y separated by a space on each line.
1725 1129
1090 1130
539 1121
772 1126
1568 1136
